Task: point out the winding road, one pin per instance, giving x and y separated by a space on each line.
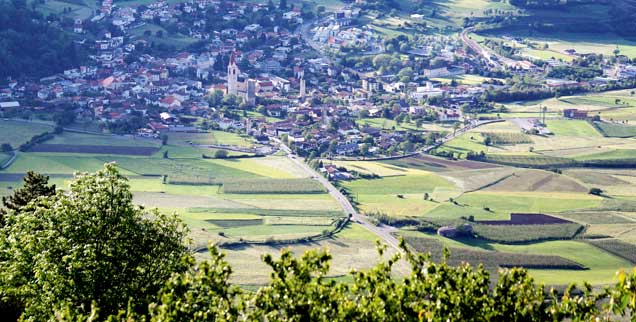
383 232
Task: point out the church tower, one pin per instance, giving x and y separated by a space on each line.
232 76
303 89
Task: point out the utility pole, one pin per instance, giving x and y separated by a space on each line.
544 110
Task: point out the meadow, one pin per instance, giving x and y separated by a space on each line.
210 138
17 133
615 130
242 198
457 191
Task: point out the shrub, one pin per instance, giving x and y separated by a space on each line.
596 191
6 147
220 154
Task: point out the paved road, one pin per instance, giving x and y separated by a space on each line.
460 131
384 232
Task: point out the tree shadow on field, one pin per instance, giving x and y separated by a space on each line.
336 242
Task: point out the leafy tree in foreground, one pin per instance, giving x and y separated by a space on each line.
300 291
89 246
35 185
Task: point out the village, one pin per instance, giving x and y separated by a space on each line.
264 78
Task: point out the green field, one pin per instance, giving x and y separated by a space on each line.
106 140
493 194
17 133
210 138
572 128
178 40
265 198
615 130
75 9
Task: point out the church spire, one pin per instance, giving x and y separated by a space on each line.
232 76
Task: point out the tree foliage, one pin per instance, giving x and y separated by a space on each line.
30 46
299 290
35 185
88 246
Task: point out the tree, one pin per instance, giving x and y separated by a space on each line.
406 73
35 186
6 147
89 246
201 294
283 5
220 154
596 191
300 291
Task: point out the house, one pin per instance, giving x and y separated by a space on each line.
370 84
436 72
344 149
158 127
449 116
576 114
170 102
13 104
335 174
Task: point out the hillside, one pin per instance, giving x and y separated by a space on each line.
584 16
30 46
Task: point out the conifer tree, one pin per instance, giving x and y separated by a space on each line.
35 185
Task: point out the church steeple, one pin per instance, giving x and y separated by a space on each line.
301 77
233 72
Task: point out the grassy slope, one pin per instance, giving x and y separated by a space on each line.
17 133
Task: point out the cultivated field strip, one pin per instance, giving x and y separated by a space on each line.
490 259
